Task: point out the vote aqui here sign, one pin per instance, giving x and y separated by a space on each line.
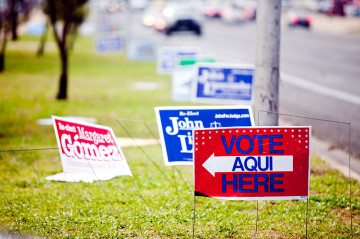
252 163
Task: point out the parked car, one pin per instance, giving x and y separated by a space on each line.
299 18
178 17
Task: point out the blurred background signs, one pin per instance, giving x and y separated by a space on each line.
141 49
183 77
169 57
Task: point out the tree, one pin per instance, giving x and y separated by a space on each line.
69 14
12 12
13 19
3 33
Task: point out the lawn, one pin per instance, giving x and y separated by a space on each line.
158 201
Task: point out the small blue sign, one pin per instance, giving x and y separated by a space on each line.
227 83
177 123
169 58
141 50
113 43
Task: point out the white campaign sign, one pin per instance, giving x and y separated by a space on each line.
88 152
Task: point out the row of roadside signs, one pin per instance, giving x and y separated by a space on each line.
232 158
205 80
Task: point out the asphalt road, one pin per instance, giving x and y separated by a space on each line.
320 73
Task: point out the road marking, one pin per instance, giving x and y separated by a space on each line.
320 89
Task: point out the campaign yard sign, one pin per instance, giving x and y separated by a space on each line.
110 43
224 83
88 151
183 77
175 126
168 58
141 49
252 163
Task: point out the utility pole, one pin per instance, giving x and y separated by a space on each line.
267 69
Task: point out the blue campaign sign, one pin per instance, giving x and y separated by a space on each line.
169 58
110 43
176 124
225 82
141 49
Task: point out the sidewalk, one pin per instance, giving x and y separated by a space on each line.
335 24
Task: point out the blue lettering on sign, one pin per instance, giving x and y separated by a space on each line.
260 140
224 83
253 164
252 183
177 124
274 143
274 182
238 144
228 148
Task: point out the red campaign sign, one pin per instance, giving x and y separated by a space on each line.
252 163
89 149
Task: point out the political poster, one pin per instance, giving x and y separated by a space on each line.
183 76
252 163
110 28
181 83
141 49
168 57
175 126
88 152
228 83
110 43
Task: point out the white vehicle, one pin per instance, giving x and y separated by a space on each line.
180 16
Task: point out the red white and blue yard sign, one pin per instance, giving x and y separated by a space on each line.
88 151
252 163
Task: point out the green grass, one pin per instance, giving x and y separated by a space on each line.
157 202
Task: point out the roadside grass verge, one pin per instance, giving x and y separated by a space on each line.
157 202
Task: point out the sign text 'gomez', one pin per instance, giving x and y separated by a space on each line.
89 149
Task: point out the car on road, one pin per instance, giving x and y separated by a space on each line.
178 17
239 11
212 9
299 18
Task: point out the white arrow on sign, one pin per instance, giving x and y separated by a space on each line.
280 163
